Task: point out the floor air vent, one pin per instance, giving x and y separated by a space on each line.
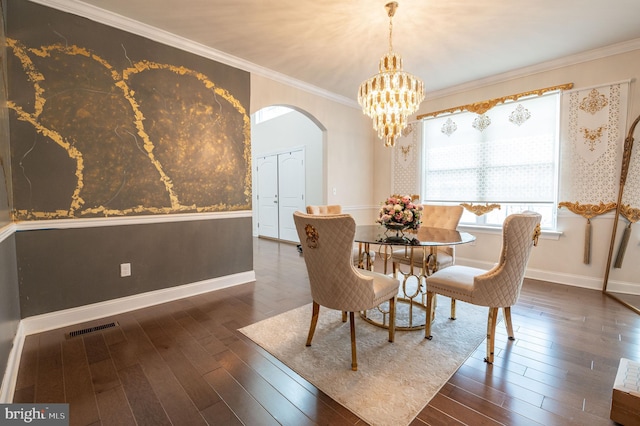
91 329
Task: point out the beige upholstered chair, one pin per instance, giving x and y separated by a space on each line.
434 216
337 209
496 288
329 209
335 283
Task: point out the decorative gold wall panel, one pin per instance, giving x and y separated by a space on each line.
119 125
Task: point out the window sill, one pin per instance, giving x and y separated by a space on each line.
546 234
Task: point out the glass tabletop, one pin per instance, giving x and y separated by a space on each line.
426 236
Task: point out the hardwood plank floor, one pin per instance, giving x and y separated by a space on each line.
185 363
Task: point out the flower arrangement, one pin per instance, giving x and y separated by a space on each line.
400 212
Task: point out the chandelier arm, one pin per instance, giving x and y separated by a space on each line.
390 32
391 11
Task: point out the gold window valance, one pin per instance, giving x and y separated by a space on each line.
484 106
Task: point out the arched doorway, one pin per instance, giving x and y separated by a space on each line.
281 137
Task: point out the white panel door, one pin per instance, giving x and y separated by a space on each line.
291 172
267 177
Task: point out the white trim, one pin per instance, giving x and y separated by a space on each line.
582 281
286 150
135 27
595 86
127 24
545 234
58 319
126 220
346 209
7 231
624 287
10 377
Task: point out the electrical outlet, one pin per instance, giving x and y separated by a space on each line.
125 269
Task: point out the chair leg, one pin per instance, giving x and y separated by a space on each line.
352 324
344 316
314 322
453 309
491 334
429 314
392 319
507 320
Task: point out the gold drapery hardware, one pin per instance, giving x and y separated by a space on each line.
480 209
484 106
588 211
632 214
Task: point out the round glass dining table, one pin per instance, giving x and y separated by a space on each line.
412 292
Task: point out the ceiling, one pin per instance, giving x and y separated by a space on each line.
335 45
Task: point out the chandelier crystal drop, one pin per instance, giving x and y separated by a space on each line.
392 95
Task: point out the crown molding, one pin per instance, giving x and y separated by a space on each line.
127 24
135 27
578 58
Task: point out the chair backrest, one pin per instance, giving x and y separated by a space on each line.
437 216
446 217
501 285
329 209
327 241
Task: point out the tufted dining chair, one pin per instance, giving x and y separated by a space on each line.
325 209
337 209
496 288
434 216
335 283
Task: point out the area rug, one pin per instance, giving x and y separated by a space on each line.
394 381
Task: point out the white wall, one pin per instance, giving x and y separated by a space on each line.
347 142
558 260
359 167
290 131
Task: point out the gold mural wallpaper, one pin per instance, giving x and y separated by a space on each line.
120 125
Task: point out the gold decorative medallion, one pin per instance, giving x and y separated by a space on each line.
592 136
312 236
594 102
536 235
405 151
480 209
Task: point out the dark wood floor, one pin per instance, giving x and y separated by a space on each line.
185 363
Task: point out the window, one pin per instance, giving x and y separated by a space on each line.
509 156
267 113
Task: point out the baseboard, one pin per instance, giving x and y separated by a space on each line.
594 283
622 287
13 363
58 319
53 320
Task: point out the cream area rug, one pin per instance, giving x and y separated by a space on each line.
394 381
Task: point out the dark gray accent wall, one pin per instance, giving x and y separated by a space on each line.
9 299
67 268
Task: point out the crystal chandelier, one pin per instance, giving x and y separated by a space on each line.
390 96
